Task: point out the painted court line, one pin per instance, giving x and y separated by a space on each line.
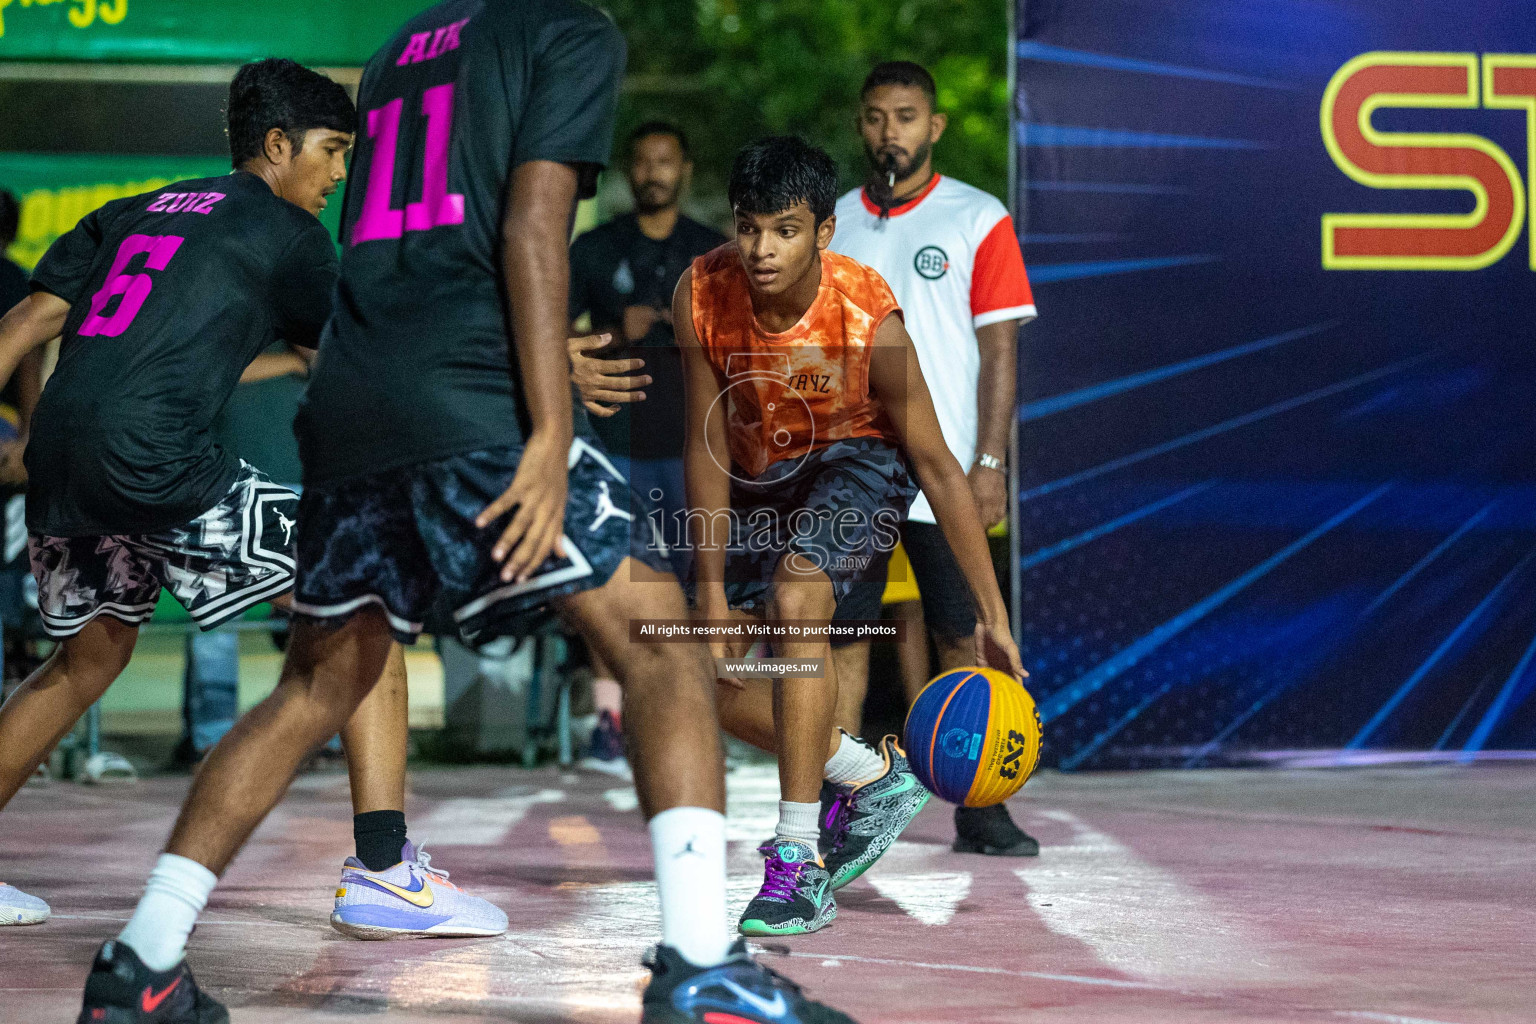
1076 979
1136 918
480 821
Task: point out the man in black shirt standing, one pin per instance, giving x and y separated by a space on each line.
441 463
162 300
622 274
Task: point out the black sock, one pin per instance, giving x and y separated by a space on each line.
380 837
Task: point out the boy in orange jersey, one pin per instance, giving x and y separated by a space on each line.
807 417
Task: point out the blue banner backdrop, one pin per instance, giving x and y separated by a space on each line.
1277 447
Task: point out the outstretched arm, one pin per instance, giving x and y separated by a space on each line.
897 380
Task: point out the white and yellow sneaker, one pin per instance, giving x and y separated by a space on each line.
412 900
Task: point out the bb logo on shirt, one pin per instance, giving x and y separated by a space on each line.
931 262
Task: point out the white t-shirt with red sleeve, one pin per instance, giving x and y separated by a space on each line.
952 258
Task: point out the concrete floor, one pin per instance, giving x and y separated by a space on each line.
1383 894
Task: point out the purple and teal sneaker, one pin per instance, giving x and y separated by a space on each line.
412 900
863 821
796 897
16 907
738 991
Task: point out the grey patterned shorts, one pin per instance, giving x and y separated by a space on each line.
406 541
237 554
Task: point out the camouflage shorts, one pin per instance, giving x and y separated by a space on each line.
237 554
406 541
840 508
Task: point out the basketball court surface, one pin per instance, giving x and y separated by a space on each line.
1386 894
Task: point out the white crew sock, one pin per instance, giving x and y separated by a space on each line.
798 821
177 891
689 846
855 761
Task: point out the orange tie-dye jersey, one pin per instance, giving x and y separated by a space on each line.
806 387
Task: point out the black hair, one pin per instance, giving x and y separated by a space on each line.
650 128
775 173
10 219
281 94
900 72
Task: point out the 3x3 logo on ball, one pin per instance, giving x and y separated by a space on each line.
1009 769
931 262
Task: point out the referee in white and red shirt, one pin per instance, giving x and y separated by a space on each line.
950 254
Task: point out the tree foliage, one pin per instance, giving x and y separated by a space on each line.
729 71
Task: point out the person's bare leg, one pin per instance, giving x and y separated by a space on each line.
45 707
912 652
674 749
803 709
326 675
377 741
674 742
746 712
955 653
852 663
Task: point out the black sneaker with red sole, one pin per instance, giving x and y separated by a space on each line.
122 990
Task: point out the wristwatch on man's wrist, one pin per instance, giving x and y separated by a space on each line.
986 461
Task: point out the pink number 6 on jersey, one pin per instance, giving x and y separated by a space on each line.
134 288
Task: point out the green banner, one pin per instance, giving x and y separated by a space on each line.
56 190
331 32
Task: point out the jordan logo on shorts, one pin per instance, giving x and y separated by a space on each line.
606 509
287 525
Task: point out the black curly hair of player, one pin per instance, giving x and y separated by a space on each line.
778 172
282 94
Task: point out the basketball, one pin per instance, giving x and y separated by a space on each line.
973 736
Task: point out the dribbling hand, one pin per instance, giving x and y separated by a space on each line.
995 649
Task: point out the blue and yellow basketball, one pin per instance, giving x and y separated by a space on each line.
973 736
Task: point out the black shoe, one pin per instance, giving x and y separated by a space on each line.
121 990
991 831
739 990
